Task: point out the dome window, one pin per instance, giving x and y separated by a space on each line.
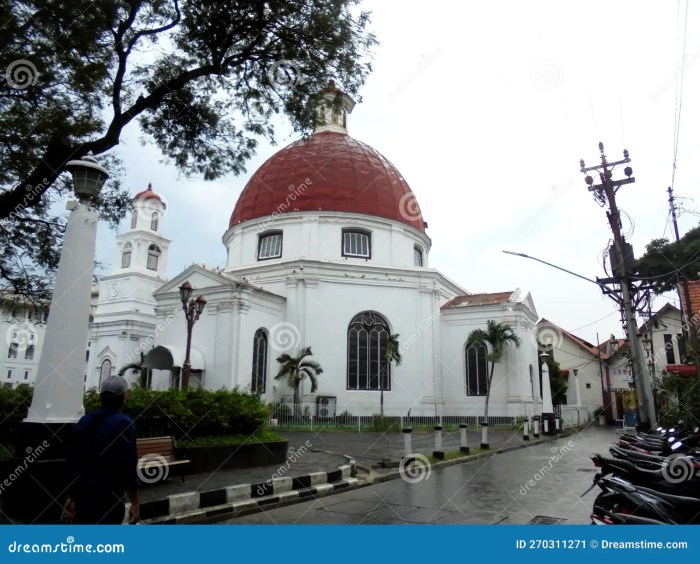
134 218
126 256
356 244
270 246
417 256
154 221
153 254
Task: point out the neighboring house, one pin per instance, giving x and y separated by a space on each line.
582 364
23 325
664 348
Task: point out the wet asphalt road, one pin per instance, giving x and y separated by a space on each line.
516 487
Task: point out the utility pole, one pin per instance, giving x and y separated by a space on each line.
690 333
605 193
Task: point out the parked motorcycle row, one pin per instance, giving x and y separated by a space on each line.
649 479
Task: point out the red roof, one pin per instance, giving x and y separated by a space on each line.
694 292
331 172
147 194
478 300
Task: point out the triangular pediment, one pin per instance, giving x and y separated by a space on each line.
200 278
106 352
529 303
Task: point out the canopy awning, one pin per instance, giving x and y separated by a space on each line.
167 357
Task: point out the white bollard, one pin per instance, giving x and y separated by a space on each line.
464 444
438 452
484 435
556 424
526 430
546 426
536 428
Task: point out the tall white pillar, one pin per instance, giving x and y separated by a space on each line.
577 388
58 393
547 406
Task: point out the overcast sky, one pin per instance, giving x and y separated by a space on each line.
486 108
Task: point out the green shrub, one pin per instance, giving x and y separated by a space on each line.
191 413
385 424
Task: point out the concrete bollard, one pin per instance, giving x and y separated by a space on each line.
485 435
536 427
438 452
526 430
407 451
556 425
464 444
546 426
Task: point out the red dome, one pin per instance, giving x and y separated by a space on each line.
344 175
148 194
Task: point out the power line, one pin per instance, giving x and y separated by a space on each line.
679 88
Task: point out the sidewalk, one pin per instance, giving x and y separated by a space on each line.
318 464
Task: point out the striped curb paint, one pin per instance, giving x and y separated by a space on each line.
270 491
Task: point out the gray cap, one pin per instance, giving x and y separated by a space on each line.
114 386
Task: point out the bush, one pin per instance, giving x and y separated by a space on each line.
191 413
385 424
679 399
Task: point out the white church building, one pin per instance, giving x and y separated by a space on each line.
326 248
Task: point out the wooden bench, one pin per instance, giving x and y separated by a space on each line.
156 455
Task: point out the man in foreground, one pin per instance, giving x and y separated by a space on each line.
102 463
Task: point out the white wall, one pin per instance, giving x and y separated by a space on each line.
319 236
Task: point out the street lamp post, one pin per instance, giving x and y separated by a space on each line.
57 400
193 309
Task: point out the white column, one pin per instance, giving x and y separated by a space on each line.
546 391
58 394
577 388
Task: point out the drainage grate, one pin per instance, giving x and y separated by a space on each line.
586 470
543 520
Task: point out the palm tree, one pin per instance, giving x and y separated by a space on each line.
496 337
391 354
294 368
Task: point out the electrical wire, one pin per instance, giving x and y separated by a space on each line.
679 87
596 321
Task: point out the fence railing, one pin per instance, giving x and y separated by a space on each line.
308 416
571 415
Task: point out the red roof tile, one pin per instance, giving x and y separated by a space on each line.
478 300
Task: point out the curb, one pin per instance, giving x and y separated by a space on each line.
375 478
188 506
213 506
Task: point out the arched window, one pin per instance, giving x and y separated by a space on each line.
154 221
417 256
105 370
134 218
126 256
259 378
367 337
476 370
153 254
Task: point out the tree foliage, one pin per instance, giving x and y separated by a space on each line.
202 78
296 368
557 382
496 337
664 261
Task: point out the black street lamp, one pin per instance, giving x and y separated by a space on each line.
193 309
